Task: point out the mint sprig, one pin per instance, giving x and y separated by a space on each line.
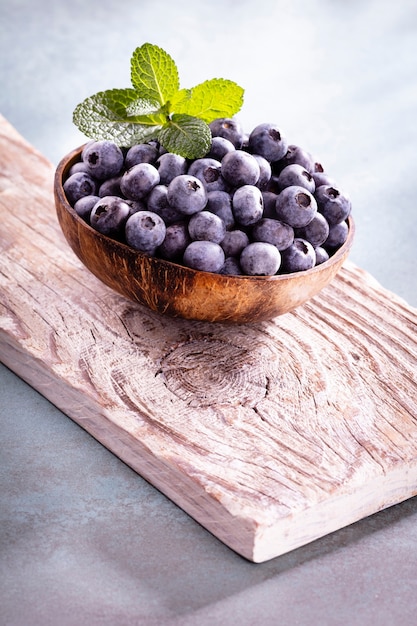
155 107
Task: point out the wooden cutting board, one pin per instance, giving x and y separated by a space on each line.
270 435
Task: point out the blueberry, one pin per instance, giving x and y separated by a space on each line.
265 171
209 171
109 215
89 143
136 205
321 178
268 141
157 201
240 168
205 256
206 226
260 259
317 167
230 129
296 206
139 181
316 231
269 200
110 187
169 166
300 256
161 149
145 231
84 206
295 174
233 242
332 203
231 267
187 194
176 240
297 155
321 255
220 203
247 205
80 166
337 236
273 184
103 159
78 185
219 147
273 231
141 153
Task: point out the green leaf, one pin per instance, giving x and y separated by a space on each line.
212 99
156 107
154 74
180 97
142 106
186 135
103 116
115 100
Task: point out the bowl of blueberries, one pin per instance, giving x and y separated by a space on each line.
250 231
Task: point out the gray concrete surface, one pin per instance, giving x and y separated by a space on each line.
83 539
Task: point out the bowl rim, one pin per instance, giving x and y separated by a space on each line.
74 156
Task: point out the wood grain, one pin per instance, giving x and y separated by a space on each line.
270 434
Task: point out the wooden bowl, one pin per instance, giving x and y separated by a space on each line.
179 291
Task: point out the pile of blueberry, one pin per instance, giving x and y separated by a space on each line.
253 205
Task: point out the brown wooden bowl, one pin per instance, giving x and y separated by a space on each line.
179 291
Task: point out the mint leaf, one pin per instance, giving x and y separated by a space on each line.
114 100
156 108
141 106
185 135
180 97
154 74
103 116
212 99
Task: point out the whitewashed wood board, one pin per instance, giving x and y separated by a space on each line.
270 435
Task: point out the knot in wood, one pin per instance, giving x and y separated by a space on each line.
208 372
